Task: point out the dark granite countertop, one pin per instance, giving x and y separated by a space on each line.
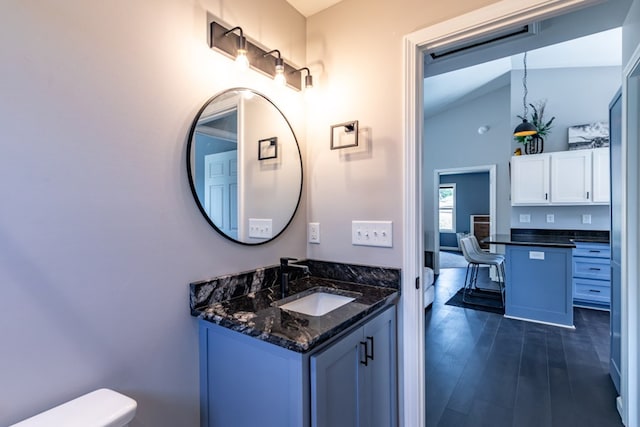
253 314
548 238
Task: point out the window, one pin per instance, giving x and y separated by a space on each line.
447 208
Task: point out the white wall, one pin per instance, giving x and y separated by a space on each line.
355 53
574 96
452 141
99 235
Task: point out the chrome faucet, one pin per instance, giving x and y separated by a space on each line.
284 273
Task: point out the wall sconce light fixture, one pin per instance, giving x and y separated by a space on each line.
241 50
308 79
225 40
279 77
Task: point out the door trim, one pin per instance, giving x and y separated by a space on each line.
495 16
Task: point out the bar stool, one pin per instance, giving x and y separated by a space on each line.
476 258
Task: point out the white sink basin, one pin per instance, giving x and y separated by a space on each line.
317 303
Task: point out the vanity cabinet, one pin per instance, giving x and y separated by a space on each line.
353 381
579 177
248 382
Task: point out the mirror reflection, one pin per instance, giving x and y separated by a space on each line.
244 166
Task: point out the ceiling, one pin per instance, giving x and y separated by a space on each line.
596 50
311 7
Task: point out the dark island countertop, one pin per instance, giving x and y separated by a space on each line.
548 238
254 314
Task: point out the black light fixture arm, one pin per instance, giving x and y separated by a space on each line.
308 79
273 51
233 29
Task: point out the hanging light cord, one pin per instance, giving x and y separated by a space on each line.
524 85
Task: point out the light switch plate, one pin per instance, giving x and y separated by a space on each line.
525 218
586 219
260 228
314 232
372 233
536 255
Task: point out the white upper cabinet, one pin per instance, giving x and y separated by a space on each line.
601 176
571 177
577 177
530 180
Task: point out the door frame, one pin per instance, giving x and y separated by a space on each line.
437 173
630 243
499 15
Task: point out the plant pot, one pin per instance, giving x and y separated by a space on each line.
534 145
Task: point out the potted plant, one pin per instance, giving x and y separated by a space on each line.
535 143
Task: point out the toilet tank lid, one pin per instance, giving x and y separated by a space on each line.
100 408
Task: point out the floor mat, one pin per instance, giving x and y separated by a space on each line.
478 300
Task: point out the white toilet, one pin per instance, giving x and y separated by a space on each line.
100 408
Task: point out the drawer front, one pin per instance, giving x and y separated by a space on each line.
592 250
591 268
592 290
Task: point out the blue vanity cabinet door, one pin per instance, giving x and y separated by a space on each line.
248 382
380 378
345 391
538 285
336 383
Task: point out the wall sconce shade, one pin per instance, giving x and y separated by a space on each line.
226 41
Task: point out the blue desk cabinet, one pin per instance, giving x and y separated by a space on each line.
592 275
353 382
248 382
538 285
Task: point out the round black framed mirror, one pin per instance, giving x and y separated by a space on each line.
244 166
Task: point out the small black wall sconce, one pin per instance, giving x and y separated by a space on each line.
260 59
344 135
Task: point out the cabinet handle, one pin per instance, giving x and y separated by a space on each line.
366 351
594 268
595 291
594 251
587 195
546 196
370 339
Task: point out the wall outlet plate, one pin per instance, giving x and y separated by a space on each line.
586 218
551 218
525 218
260 228
372 233
314 232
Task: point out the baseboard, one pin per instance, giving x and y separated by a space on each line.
450 248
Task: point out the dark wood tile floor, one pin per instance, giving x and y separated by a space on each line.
486 370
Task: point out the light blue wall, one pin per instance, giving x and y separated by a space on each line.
452 141
472 198
574 96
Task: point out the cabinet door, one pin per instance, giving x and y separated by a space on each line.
601 175
379 404
571 177
337 382
530 180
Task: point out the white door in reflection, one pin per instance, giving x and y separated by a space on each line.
221 191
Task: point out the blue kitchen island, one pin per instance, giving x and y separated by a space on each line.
539 273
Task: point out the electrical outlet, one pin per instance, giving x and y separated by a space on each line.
586 219
314 232
372 233
525 218
551 218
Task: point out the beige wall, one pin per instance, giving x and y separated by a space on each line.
99 234
355 53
